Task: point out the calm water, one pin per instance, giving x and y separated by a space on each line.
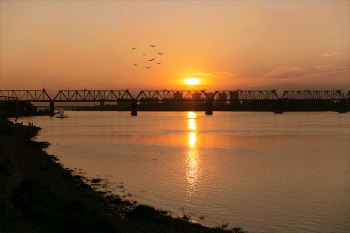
261 171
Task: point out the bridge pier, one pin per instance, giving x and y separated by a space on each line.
134 108
17 110
209 108
278 107
342 106
102 103
52 108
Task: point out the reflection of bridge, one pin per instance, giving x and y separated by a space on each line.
167 95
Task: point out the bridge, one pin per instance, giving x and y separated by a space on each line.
121 96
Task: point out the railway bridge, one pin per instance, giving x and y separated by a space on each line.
126 96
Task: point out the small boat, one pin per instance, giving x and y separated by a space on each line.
61 114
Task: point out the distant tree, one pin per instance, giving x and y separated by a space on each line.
26 106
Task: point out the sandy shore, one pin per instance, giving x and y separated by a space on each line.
28 160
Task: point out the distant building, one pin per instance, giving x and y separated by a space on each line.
178 95
222 97
210 95
149 101
234 95
123 105
196 96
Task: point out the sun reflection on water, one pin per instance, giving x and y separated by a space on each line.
192 160
191 115
192 124
192 137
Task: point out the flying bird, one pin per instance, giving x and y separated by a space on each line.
148 67
133 48
151 59
135 64
160 53
152 45
144 54
158 62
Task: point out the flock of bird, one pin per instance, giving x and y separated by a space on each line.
147 67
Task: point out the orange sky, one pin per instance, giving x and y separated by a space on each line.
229 45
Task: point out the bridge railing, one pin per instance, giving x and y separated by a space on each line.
314 95
92 95
241 95
347 96
173 95
28 95
169 95
7 98
222 95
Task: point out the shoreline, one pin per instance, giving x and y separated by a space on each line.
25 159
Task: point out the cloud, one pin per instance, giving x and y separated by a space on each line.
217 80
285 72
214 74
204 74
293 72
327 54
320 66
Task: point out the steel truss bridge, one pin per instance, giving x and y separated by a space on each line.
168 95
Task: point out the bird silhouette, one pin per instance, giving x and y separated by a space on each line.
133 48
158 62
144 54
160 53
151 59
148 67
152 45
135 64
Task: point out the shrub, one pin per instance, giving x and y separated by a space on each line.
49 213
38 144
53 220
148 213
77 208
98 180
103 225
74 224
4 167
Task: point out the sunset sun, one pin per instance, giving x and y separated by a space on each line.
192 81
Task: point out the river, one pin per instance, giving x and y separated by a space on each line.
261 171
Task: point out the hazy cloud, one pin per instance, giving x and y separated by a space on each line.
292 72
327 54
285 72
204 74
214 74
321 66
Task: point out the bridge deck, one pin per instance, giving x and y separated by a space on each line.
168 95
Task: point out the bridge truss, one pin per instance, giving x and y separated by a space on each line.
168 95
92 95
315 95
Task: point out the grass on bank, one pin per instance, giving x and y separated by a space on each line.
48 213
4 167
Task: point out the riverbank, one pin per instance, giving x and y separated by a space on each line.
60 201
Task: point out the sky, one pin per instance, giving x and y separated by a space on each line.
227 45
